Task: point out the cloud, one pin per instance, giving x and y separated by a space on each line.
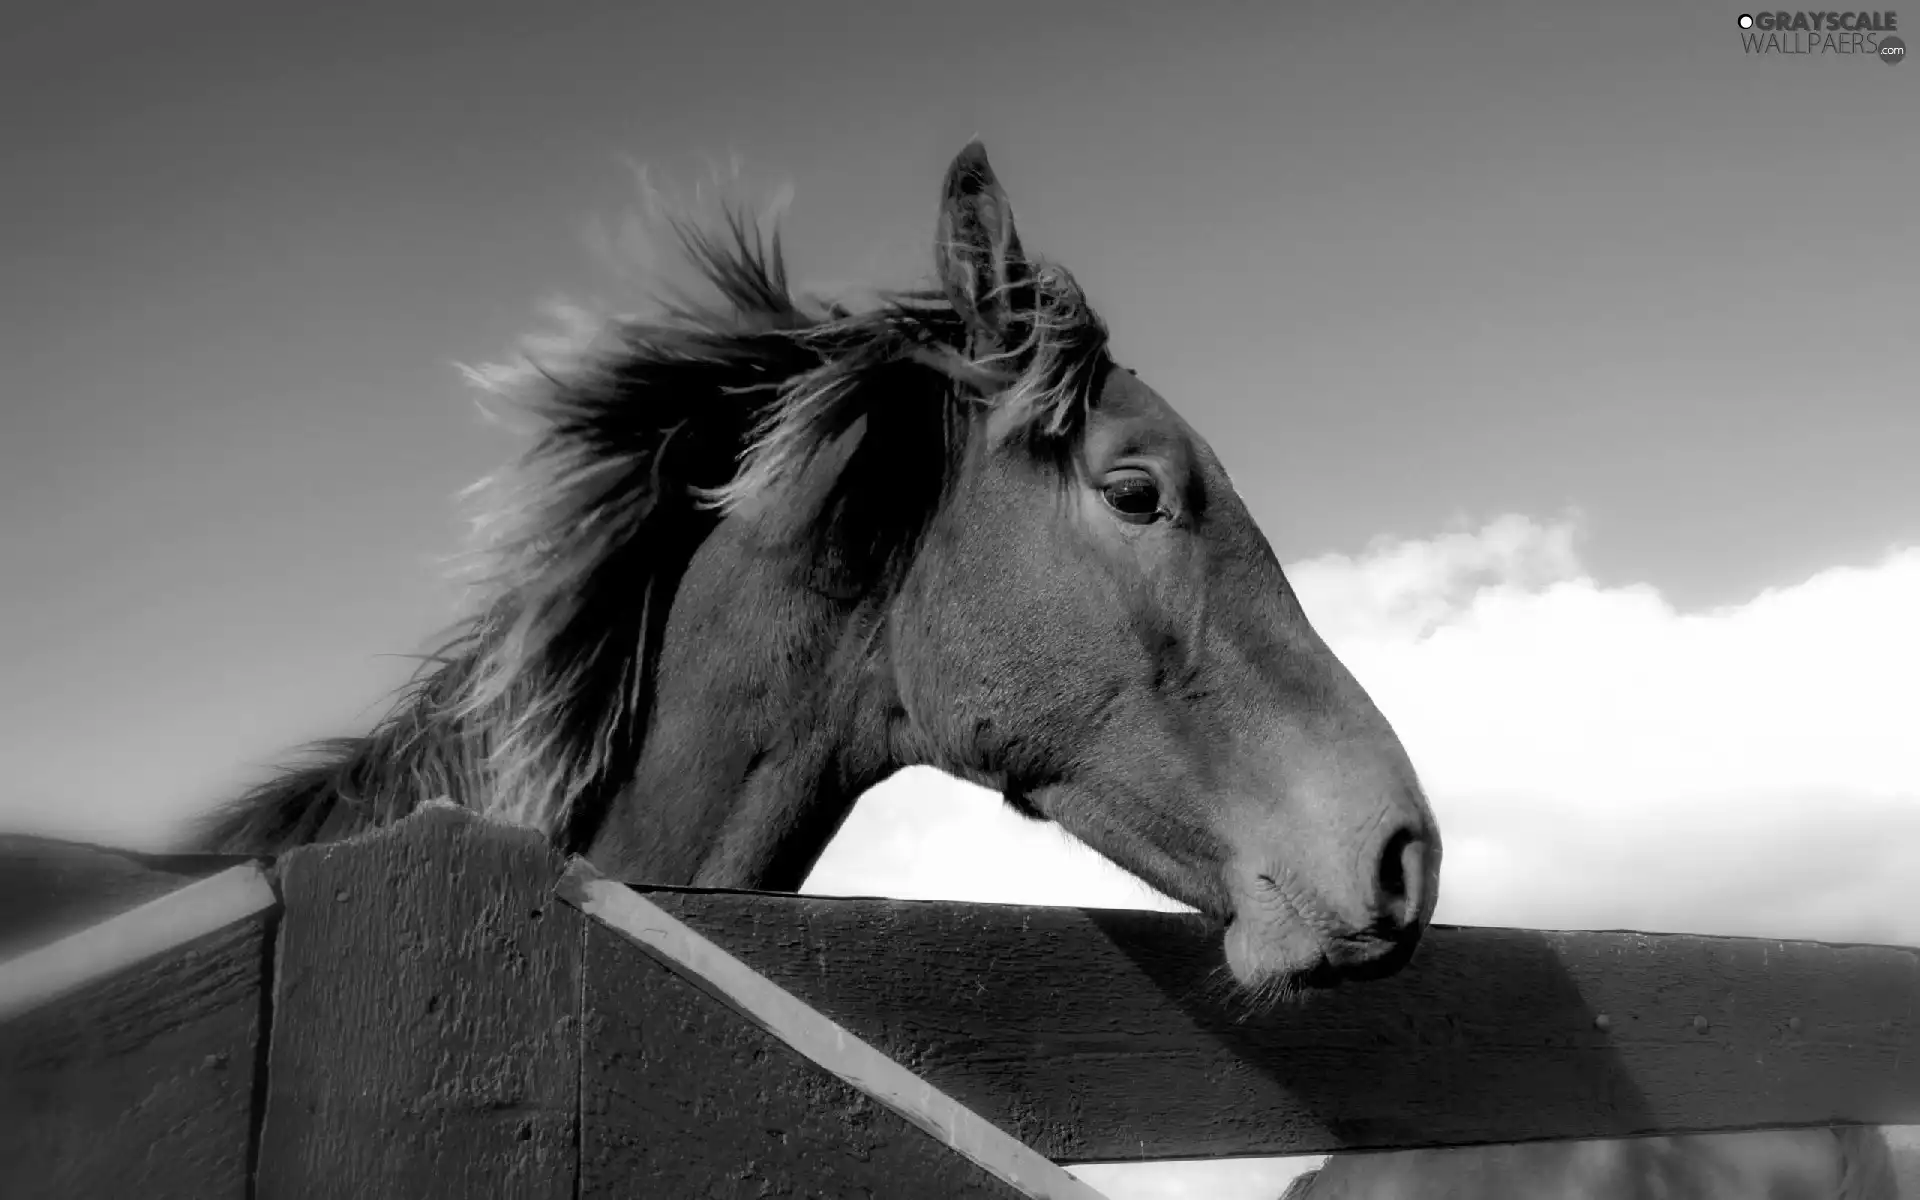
1596 758
1599 760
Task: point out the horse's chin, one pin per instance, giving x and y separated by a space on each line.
1281 967
1288 963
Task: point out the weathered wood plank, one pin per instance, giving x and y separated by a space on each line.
50 887
1097 1035
828 1046
682 1098
426 1036
140 1083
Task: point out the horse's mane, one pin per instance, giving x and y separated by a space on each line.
647 431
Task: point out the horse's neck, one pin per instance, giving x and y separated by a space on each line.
769 719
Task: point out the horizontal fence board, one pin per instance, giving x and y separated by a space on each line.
428 1037
680 1096
425 1024
801 1028
140 1083
1102 1035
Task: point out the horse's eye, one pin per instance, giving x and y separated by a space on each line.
1134 496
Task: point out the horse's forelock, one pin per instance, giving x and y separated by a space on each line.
1058 359
1035 389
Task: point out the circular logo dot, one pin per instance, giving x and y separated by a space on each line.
1746 20
1892 49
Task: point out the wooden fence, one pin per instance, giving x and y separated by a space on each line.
446 1008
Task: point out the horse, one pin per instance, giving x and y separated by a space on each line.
764 550
1849 1162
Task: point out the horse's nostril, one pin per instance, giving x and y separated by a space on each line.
1393 867
1402 876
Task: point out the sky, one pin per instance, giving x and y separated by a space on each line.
1565 352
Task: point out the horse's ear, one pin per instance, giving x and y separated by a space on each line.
977 254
